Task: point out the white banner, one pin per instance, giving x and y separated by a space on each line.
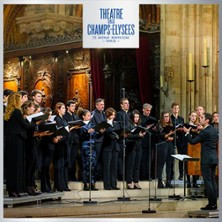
111 24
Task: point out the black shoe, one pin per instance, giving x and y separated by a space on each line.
12 194
188 185
93 187
67 189
160 184
180 177
115 188
195 185
107 188
169 185
209 207
60 190
18 194
85 187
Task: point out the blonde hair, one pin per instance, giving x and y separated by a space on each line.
14 102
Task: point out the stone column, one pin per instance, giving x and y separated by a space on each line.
184 28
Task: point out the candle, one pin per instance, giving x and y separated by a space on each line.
161 81
190 76
205 53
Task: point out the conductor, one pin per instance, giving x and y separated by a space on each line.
208 138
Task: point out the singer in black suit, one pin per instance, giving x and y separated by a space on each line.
133 152
122 117
208 137
110 151
148 153
60 154
98 116
73 140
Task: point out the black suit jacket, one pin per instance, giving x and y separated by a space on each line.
98 117
74 136
121 116
154 134
110 139
180 141
208 138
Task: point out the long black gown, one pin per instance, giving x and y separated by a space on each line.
16 155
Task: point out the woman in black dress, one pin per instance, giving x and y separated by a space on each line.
164 152
60 154
16 137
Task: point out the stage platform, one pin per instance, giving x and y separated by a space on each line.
70 204
204 214
11 202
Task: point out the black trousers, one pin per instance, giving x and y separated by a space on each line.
120 162
59 176
110 160
99 167
45 178
133 157
181 150
208 173
32 164
164 152
73 153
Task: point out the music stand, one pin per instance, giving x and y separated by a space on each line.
174 196
184 159
155 170
149 210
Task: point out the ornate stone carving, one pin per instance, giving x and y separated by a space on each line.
80 60
12 72
169 73
47 20
47 25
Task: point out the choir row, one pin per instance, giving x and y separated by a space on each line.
129 137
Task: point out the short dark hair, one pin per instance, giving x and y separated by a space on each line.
69 102
209 117
123 99
23 93
83 112
7 92
35 91
174 104
99 100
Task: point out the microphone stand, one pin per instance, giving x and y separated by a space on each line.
90 174
124 198
149 210
155 168
174 196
